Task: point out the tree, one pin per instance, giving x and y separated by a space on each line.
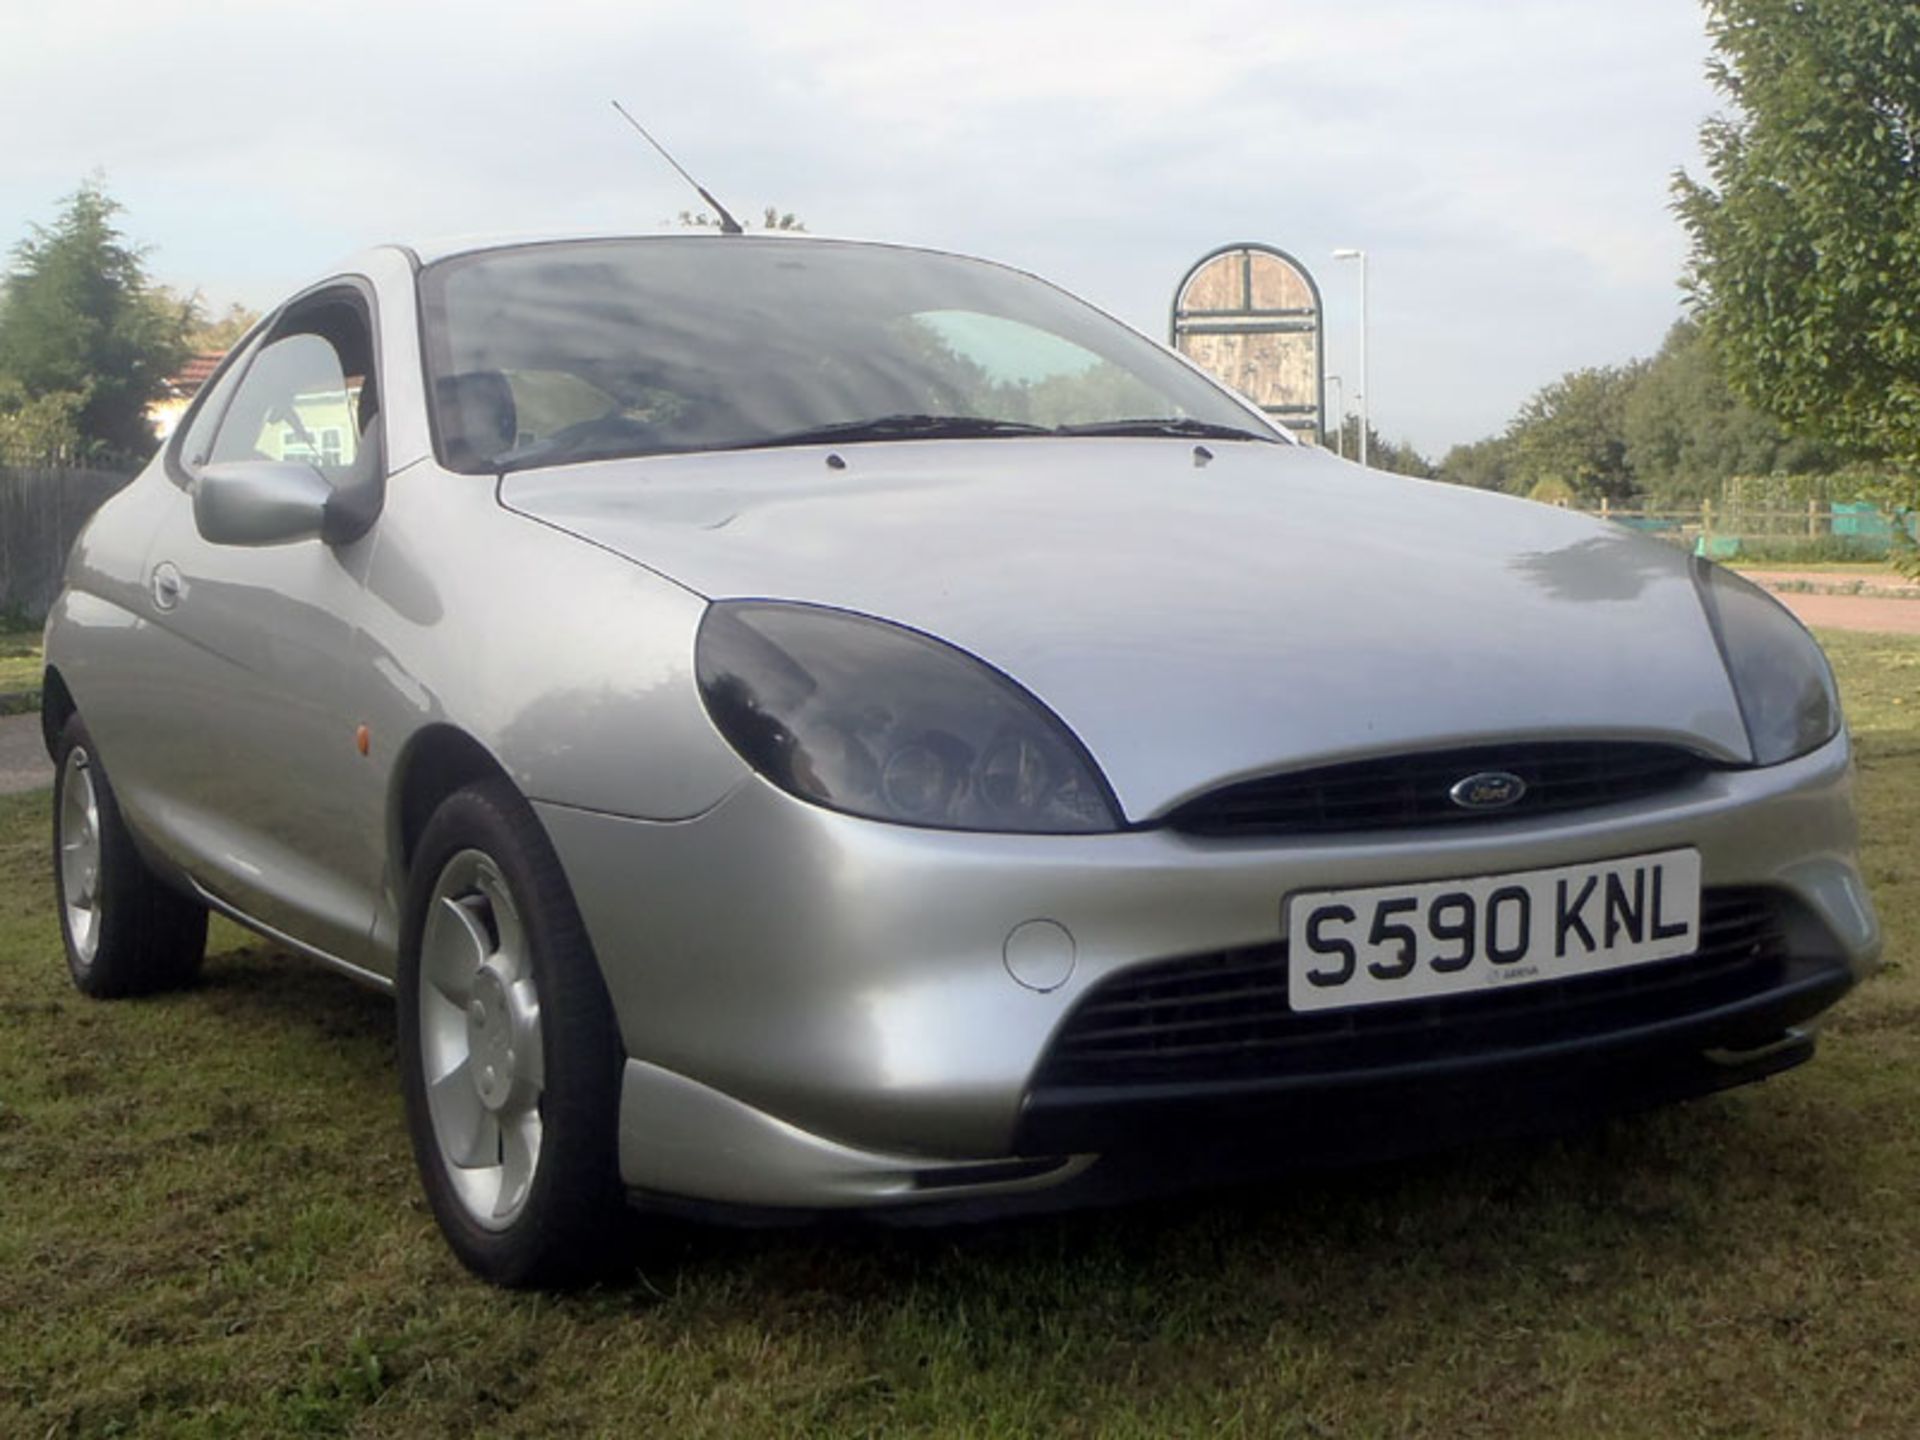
217 332
1669 431
1482 465
1573 431
1687 432
1806 232
1397 459
773 218
208 331
1553 491
82 331
38 429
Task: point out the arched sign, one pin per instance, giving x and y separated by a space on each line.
1249 315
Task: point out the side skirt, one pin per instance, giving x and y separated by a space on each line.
280 937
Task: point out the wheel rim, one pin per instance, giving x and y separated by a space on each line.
80 855
480 1050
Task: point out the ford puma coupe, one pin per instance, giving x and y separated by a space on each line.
804 725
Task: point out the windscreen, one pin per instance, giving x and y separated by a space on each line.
555 353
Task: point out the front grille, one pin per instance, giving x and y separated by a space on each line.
1224 1016
1408 790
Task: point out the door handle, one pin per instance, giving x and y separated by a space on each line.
169 585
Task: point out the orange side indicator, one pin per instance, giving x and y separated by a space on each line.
363 738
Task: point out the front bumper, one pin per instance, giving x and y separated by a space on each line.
823 1009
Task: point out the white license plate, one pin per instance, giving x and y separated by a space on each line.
1406 942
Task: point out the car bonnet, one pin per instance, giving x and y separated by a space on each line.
1196 614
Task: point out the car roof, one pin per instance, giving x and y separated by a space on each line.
418 253
444 247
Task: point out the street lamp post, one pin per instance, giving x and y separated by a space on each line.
1365 389
1339 388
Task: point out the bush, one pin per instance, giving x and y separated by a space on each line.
1810 549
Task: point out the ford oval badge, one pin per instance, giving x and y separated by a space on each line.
1489 790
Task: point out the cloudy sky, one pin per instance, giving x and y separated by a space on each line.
1503 162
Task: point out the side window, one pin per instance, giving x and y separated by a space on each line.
197 443
308 395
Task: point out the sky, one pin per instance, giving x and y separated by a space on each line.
1504 163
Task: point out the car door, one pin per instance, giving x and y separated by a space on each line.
269 803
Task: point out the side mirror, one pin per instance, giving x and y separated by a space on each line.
260 502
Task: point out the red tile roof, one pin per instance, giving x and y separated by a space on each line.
188 379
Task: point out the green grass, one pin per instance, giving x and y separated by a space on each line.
20 669
209 1226
1800 549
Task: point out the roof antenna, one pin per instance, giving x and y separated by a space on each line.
728 225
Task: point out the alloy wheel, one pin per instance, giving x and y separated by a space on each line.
480 1045
80 854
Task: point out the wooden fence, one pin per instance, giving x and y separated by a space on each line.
1725 530
41 511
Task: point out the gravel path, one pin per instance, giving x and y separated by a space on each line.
1855 612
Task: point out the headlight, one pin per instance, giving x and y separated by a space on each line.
877 720
1783 682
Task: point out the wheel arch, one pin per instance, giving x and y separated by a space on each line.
56 706
439 759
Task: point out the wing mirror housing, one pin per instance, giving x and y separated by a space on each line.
279 502
260 502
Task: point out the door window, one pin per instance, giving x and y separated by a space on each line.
307 396
197 443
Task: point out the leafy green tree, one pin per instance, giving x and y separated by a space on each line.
1483 465
772 218
1573 431
1553 491
1078 396
1806 230
217 332
1669 431
79 320
38 429
1397 458
1687 432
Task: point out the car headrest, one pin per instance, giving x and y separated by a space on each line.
477 416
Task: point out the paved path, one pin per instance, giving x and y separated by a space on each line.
1855 612
1881 601
23 758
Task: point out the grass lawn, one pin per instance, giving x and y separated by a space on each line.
209 1225
19 664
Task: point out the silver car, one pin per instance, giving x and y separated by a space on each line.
802 725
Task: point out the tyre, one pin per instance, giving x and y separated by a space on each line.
126 931
510 1059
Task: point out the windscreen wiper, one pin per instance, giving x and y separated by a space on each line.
902 427
1166 425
